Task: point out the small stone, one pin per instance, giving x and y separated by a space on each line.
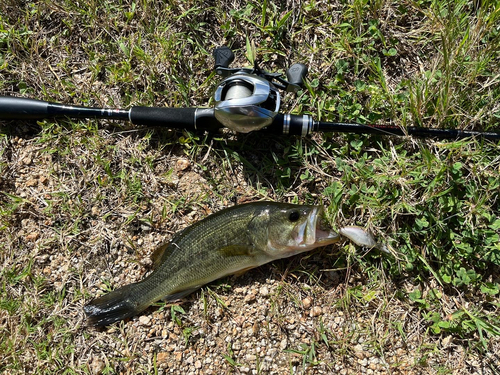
162 357
32 182
306 302
446 341
316 311
182 164
97 366
264 292
33 236
271 352
43 258
145 320
249 298
250 357
95 210
358 351
197 364
256 328
283 344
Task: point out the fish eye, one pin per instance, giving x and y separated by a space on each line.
294 216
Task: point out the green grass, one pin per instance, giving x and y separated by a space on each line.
83 203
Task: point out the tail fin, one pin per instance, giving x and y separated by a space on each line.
114 306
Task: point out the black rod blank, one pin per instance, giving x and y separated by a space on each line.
395 130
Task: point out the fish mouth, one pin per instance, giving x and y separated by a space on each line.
324 234
316 231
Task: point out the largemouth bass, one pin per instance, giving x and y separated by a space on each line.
232 240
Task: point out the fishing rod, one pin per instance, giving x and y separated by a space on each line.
246 100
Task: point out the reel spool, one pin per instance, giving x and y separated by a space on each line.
246 102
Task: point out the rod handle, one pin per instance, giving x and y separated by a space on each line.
12 108
181 118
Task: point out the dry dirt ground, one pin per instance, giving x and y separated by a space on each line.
293 316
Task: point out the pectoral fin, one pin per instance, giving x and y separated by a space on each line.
242 271
161 253
236 250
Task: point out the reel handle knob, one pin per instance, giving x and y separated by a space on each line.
223 57
296 75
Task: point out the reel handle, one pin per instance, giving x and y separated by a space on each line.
223 57
296 75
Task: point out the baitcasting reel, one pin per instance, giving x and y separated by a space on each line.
248 99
